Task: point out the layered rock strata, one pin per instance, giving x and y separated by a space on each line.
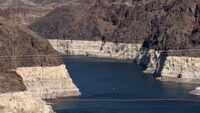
96 48
183 69
48 82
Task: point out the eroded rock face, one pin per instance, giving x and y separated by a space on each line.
97 48
148 60
182 69
187 67
176 36
48 82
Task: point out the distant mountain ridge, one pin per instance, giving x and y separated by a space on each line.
28 11
33 3
17 3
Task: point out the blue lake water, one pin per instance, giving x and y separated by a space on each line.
113 86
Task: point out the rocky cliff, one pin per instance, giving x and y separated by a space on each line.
27 58
167 29
175 37
48 82
183 69
96 48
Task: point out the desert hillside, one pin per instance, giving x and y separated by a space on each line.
158 24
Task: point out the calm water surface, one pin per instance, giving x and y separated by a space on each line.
111 86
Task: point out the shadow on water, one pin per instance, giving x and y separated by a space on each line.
111 86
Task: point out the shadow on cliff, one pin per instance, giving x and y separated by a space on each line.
160 64
147 59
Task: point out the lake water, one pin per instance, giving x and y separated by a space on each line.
111 86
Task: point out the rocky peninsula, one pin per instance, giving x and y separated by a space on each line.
29 70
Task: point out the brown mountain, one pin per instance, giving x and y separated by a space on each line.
81 21
20 47
28 11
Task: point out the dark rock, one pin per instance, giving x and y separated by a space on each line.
11 82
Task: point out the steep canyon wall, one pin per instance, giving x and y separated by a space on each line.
96 48
48 82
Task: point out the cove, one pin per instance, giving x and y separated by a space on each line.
114 86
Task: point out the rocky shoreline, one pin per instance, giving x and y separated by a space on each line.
48 82
120 29
28 72
101 49
181 69
110 26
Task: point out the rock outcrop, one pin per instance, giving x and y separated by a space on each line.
48 82
148 60
181 69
